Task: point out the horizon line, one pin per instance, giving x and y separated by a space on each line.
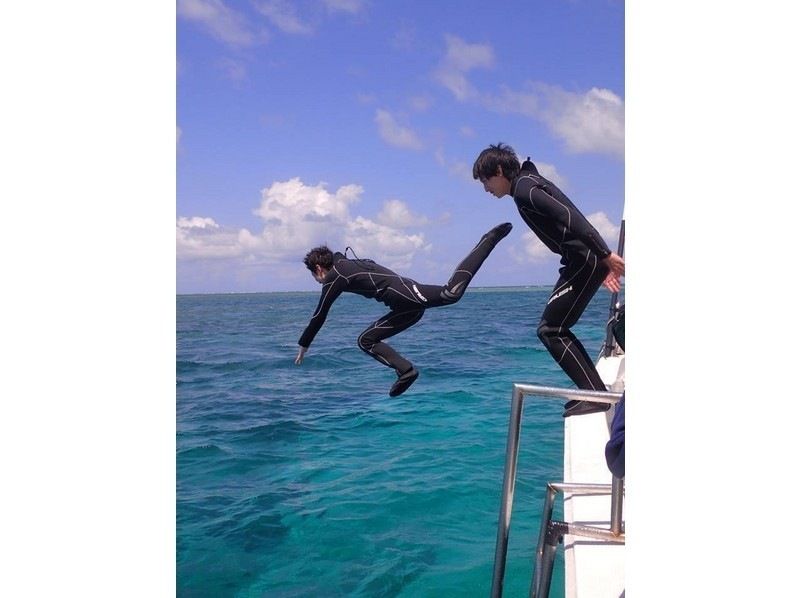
476 288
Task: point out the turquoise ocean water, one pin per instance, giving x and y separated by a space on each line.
311 481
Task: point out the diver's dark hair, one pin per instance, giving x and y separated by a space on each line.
501 155
319 256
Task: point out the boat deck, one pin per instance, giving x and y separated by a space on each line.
593 568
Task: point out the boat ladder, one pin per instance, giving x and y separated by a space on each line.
551 532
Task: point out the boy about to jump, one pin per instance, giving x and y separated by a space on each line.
406 298
586 260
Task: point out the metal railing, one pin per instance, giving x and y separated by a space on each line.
552 532
549 531
613 307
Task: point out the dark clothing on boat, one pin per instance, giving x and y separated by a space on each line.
615 447
565 231
407 298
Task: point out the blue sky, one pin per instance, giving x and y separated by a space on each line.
356 122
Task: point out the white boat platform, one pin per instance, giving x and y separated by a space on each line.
594 568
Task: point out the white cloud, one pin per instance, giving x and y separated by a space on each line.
382 243
203 238
396 214
465 57
220 21
349 6
550 172
593 121
590 122
395 134
460 58
607 229
461 170
302 210
196 222
509 101
297 217
457 83
456 168
283 16
533 250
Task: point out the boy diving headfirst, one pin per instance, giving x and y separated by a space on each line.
406 298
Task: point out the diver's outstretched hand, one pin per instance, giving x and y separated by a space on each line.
300 354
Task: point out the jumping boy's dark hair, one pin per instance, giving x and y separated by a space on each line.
319 256
501 155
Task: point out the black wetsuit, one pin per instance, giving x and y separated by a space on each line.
407 298
565 231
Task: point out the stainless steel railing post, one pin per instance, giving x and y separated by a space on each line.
542 590
547 516
509 481
613 306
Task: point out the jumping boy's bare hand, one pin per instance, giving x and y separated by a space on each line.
612 283
300 354
616 267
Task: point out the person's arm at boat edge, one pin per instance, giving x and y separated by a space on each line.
616 269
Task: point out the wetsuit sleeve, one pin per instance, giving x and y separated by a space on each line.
551 202
330 291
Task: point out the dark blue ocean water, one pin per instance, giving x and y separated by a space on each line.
311 481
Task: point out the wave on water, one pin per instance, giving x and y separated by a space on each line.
311 481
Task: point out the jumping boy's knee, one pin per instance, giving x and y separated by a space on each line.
448 298
546 332
365 343
454 293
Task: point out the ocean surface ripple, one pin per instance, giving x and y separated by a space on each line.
312 481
